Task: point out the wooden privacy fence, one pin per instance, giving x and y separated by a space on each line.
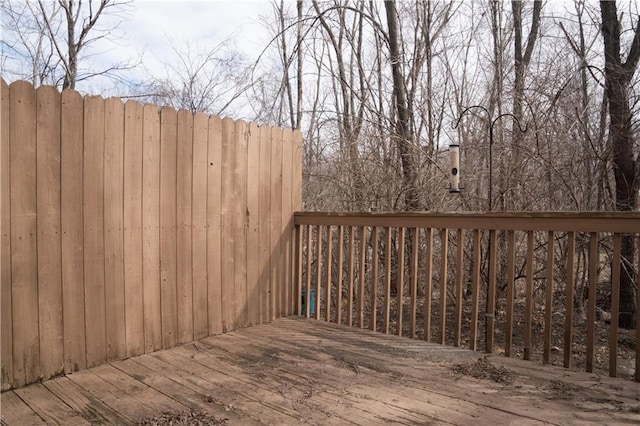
535 281
126 229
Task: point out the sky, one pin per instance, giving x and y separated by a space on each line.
151 24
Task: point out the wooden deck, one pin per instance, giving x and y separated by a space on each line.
298 371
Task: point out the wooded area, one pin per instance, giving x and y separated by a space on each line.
127 229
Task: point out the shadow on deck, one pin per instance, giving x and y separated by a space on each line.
300 371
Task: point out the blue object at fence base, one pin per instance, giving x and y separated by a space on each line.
312 302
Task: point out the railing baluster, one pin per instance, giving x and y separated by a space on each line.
414 283
568 324
299 236
637 377
387 279
459 280
491 292
528 297
328 270
350 278
427 285
511 260
361 280
374 280
615 304
475 288
444 247
591 310
307 296
318 290
400 283
548 304
339 271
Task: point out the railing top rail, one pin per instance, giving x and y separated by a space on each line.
625 222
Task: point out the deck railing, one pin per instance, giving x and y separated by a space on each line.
544 285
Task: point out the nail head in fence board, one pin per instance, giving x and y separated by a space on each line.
350 277
49 229
328 271
339 298
428 289
548 304
568 323
591 309
444 248
459 279
264 225
113 228
414 283
226 225
374 280
71 163
276 221
94 256
6 321
240 220
475 297
199 226
491 306
361 275
318 286
254 267
528 297
184 212
214 225
400 287
24 261
168 225
511 260
151 228
387 278
286 224
615 304
133 278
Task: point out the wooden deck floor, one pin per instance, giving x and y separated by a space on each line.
297 371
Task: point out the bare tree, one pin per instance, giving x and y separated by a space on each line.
619 74
54 38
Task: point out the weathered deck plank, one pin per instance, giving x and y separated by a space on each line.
297 371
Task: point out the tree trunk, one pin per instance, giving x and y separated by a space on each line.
402 133
618 79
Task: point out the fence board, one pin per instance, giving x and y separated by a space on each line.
71 171
239 220
374 279
49 228
361 274
296 187
6 320
214 225
458 288
528 297
184 265
475 289
132 215
168 225
286 221
387 279
615 303
339 272
93 216
199 226
400 285
264 225
548 300
511 260
428 290
444 249
591 309
151 228
569 283
254 218
113 228
24 263
226 225
276 220
327 272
